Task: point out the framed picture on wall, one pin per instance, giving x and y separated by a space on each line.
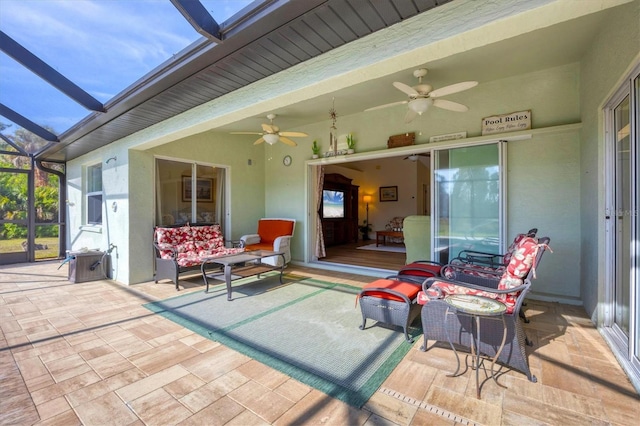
204 189
388 193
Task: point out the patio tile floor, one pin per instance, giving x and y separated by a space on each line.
89 353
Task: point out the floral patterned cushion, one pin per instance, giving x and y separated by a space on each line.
190 245
522 261
441 289
207 237
450 270
523 257
170 239
481 270
514 245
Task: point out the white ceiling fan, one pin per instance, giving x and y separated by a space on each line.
422 96
415 157
272 134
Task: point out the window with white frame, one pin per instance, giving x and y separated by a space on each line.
94 194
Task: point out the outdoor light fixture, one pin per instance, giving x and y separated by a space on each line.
271 138
412 157
420 105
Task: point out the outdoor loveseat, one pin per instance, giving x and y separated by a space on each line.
183 248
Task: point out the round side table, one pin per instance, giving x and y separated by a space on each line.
477 307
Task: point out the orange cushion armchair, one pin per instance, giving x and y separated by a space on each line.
273 234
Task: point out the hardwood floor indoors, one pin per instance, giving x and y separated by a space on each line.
349 254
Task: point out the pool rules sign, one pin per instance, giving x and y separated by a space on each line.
512 122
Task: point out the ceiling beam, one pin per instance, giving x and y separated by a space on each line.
47 73
199 18
22 121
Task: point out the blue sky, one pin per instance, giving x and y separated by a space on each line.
103 46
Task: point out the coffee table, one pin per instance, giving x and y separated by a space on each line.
241 265
385 234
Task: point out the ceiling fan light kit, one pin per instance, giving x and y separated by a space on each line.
271 138
420 105
272 134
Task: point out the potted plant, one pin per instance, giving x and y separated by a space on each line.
315 148
351 144
365 229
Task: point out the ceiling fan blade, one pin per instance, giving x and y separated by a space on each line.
269 128
454 88
259 141
245 133
414 157
387 105
287 141
451 106
294 134
405 88
411 114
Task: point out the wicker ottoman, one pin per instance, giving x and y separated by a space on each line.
390 301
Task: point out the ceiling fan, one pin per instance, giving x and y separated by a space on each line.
422 96
414 157
272 134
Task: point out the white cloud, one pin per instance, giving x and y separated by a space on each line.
101 45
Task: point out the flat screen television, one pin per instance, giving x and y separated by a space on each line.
332 204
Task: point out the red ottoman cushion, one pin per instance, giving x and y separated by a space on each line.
408 289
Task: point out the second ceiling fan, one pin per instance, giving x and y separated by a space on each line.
422 96
272 134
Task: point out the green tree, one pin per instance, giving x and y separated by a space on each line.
13 187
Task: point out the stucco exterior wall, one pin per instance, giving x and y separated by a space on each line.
248 180
543 187
267 188
543 173
615 48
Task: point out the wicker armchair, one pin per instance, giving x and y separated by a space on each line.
511 289
479 261
484 269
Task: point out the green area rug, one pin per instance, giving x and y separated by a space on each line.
305 328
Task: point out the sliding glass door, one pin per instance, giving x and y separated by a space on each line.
189 193
467 199
622 295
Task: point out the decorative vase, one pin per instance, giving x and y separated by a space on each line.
350 151
314 156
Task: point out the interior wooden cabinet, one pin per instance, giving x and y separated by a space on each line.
341 230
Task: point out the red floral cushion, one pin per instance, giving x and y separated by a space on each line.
519 266
512 248
473 270
172 238
523 257
191 245
440 289
205 233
